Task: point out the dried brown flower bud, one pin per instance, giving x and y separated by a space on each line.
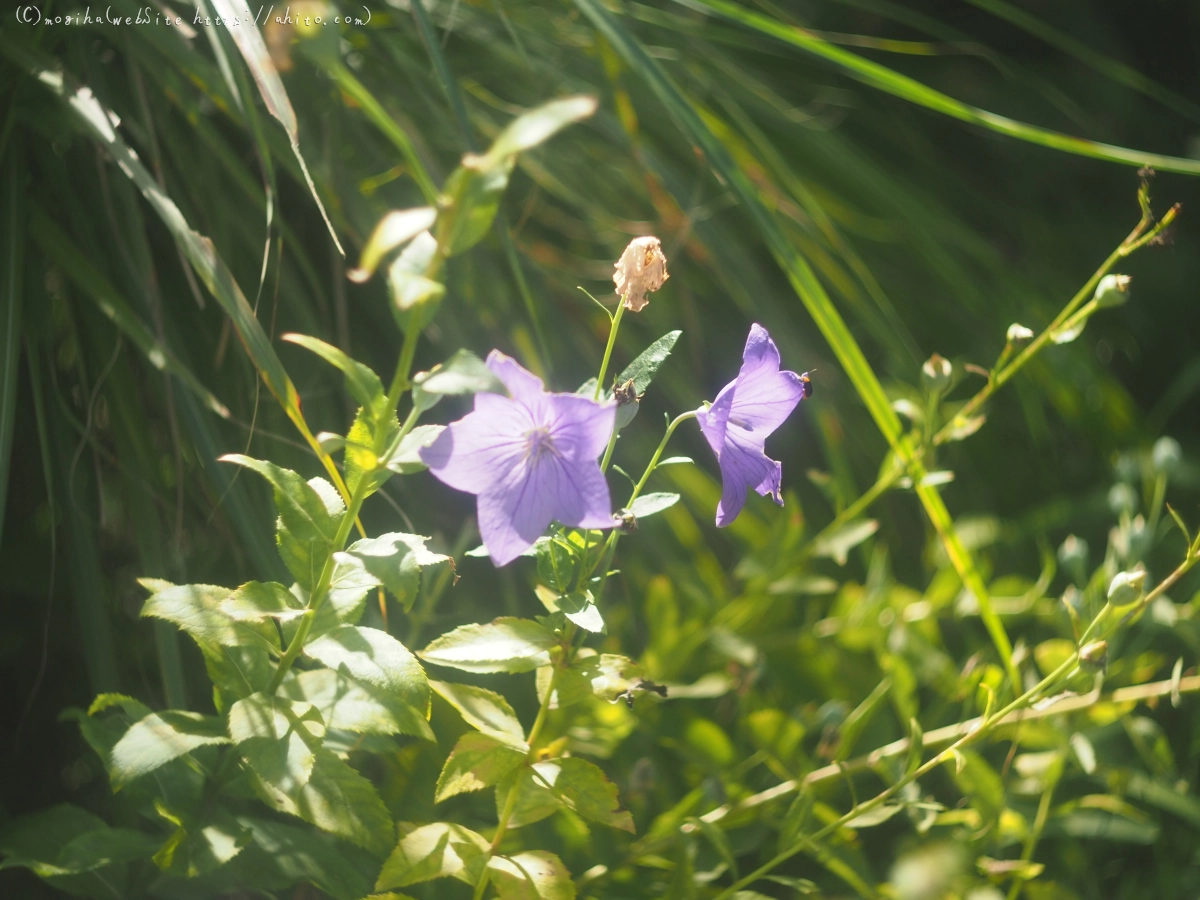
641 269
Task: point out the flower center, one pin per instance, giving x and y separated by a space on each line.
537 443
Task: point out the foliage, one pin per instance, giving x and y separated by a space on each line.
693 723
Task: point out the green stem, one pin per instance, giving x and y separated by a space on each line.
612 339
510 804
1035 834
1021 702
400 381
1137 239
610 546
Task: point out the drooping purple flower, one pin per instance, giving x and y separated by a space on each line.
530 458
744 414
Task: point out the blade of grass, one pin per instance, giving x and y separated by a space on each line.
58 247
892 82
1105 65
254 51
12 208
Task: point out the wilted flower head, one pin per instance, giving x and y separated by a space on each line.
641 269
530 458
744 414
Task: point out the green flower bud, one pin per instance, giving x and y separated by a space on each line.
1126 587
1073 556
1122 499
936 373
1094 655
1113 290
1166 455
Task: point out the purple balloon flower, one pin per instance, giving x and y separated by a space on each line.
744 414
530 458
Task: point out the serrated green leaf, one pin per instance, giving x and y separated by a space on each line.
643 369
255 601
535 801
584 788
196 608
477 761
533 875
555 564
483 709
159 738
396 560
373 657
462 373
505 645
349 705
440 850
302 854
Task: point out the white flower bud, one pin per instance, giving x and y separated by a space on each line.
1166 455
641 269
1126 587
936 371
1112 291
1018 333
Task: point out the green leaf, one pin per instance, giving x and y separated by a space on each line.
396 560
837 546
159 738
538 125
505 645
196 608
852 728
349 705
535 801
981 785
580 608
42 834
237 671
255 601
373 657
555 564
584 787
533 875
610 676
876 816
404 458
278 739
483 709
649 504
472 193
394 230
334 797
305 856
462 373
415 296
362 383
643 369
440 850
304 511
477 761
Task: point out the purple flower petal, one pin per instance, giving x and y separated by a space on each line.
745 413
530 459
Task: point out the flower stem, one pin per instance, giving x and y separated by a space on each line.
510 803
610 546
403 367
1141 235
612 339
985 726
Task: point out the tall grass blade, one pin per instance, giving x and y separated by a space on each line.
250 44
12 248
885 79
